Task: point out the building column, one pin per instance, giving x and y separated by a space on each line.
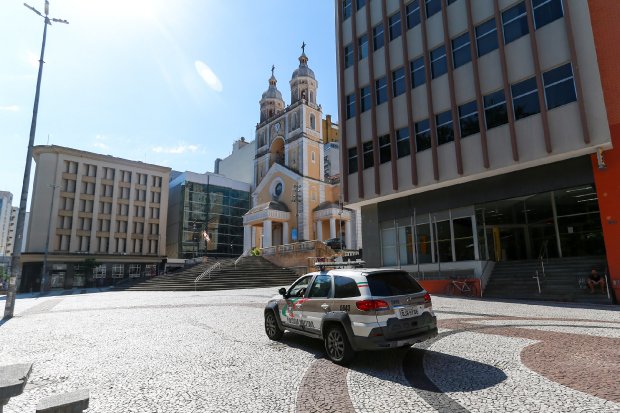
348 233
247 237
332 227
267 232
285 233
319 230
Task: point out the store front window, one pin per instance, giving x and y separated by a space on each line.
79 276
436 238
58 275
560 223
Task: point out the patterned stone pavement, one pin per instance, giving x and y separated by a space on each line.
207 352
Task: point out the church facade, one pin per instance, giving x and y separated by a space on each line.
294 198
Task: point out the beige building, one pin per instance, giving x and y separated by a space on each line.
478 130
95 206
239 165
293 200
10 243
6 199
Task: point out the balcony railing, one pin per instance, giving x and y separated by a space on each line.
294 247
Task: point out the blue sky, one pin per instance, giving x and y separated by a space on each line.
166 82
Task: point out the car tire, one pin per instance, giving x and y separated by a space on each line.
337 345
273 330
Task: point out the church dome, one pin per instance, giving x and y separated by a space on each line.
303 69
272 92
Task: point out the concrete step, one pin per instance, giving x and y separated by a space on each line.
560 282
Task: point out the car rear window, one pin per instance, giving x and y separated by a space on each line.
392 283
345 287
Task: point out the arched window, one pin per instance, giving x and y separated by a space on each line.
295 121
312 122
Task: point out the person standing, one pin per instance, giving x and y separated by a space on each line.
595 279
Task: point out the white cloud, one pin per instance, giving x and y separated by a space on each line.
32 58
99 142
176 149
208 76
10 108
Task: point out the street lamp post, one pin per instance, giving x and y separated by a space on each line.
195 238
16 270
44 279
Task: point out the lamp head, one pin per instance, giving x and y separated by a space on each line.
47 7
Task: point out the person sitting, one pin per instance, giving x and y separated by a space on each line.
595 279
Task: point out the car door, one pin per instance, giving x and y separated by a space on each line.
317 303
290 307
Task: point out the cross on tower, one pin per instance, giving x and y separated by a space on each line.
303 47
273 67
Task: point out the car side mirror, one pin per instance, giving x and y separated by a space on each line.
282 292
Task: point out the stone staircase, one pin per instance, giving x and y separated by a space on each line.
564 280
250 272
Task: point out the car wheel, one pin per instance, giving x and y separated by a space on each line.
337 346
273 330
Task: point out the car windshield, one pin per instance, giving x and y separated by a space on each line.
392 283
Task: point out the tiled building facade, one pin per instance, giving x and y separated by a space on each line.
474 130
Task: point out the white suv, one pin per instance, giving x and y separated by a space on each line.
352 310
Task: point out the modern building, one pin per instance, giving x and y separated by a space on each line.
90 210
6 199
205 215
481 130
293 198
239 165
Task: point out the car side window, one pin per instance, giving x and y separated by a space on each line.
322 287
299 288
345 287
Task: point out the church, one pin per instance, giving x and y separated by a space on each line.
296 198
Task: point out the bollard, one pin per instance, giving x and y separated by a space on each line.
13 379
74 402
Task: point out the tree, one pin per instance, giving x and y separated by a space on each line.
89 265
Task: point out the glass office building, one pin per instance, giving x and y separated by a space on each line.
205 215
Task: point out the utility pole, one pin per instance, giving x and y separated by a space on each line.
340 211
16 268
296 198
44 279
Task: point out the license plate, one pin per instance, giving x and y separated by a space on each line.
409 311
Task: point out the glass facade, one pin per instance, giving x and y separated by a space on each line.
212 220
560 223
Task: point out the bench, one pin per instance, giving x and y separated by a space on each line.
13 379
74 402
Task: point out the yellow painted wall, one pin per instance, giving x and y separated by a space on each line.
314 168
317 123
325 229
330 132
332 193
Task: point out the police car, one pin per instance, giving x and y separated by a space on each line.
353 309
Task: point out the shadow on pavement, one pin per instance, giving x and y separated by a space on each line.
452 373
307 344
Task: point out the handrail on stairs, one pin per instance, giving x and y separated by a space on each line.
246 252
544 253
207 272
